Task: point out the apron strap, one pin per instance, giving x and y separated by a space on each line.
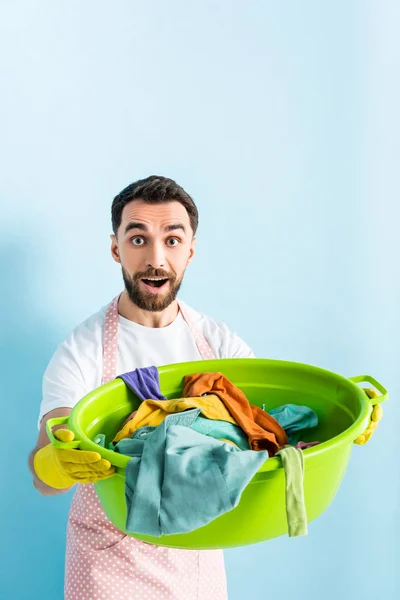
110 342
110 339
203 346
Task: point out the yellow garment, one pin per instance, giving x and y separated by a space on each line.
153 412
376 416
60 468
228 442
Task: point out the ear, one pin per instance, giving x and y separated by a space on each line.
192 251
115 249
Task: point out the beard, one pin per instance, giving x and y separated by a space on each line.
144 299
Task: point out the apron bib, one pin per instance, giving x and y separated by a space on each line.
102 563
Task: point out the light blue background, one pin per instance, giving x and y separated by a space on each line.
282 120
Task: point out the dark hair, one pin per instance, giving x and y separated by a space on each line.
153 190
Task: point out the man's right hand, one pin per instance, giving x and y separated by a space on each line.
61 468
43 441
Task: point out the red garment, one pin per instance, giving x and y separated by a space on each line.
263 431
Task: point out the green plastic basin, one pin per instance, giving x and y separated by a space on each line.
343 410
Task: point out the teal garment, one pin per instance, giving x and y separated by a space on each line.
293 419
221 430
293 464
100 439
213 428
179 480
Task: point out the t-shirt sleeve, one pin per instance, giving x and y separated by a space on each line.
231 345
63 382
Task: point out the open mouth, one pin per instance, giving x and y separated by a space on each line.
155 282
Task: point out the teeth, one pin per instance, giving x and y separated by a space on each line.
155 278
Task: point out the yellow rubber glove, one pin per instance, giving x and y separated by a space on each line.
376 416
61 468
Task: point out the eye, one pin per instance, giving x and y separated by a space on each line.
137 241
175 240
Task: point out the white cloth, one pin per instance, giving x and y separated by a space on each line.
76 367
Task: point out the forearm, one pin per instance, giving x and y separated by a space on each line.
38 484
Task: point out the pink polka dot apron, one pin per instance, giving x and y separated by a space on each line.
102 563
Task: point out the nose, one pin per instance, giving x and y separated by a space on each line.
156 256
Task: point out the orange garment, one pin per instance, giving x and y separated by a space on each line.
263 431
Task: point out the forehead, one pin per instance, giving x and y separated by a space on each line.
155 216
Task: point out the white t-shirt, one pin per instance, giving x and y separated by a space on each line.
76 367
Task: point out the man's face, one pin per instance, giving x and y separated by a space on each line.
154 245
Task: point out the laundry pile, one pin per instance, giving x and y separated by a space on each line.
192 457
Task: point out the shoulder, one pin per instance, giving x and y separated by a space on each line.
87 333
74 367
89 330
225 342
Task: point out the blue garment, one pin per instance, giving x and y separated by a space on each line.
144 382
293 419
179 480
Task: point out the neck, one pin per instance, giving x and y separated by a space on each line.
130 311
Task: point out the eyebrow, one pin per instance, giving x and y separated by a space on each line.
142 227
